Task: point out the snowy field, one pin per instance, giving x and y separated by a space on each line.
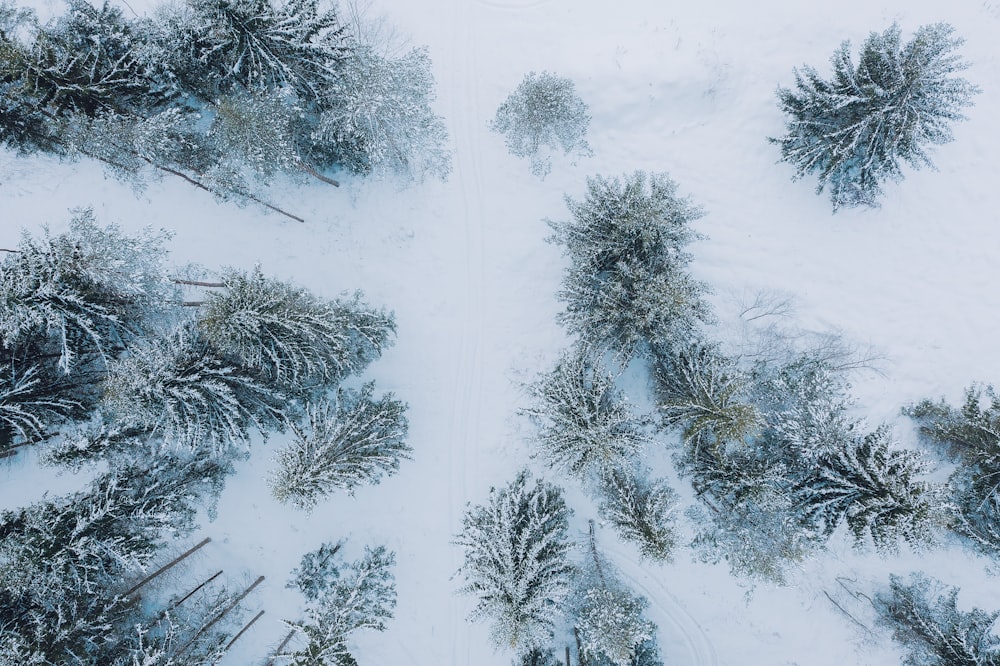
684 88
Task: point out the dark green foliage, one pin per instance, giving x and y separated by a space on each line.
79 293
875 490
348 443
289 335
341 598
856 129
215 46
924 617
516 561
642 510
85 61
181 389
66 562
748 517
538 657
585 426
971 436
705 394
627 289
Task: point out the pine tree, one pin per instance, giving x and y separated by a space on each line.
543 111
85 292
213 47
516 561
179 388
66 562
585 425
642 510
288 334
378 118
627 289
537 657
30 406
857 128
348 443
607 616
748 516
705 394
874 490
971 435
341 598
924 617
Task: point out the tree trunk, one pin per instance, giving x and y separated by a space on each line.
242 631
228 609
168 565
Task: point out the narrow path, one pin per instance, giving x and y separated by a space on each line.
467 384
663 603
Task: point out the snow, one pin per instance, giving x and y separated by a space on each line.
686 88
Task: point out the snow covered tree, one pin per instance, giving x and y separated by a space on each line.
874 489
84 292
627 289
66 562
537 657
923 615
179 388
857 129
377 117
289 335
85 62
607 616
971 435
213 47
30 405
348 443
543 111
340 599
747 516
641 509
256 130
704 393
806 407
584 424
516 561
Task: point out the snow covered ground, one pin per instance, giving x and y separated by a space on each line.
686 88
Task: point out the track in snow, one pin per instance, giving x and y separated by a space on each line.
467 391
663 602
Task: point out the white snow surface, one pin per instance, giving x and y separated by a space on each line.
681 87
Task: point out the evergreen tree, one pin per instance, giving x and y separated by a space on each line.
627 289
179 388
642 510
748 515
351 442
608 621
83 292
213 47
377 117
874 490
585 425
29 406
537 657
543 111
516 561
704 393
856 129
66 562
971 436
341 598
289 335
924 617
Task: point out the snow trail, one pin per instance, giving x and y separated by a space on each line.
467 385
702 651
